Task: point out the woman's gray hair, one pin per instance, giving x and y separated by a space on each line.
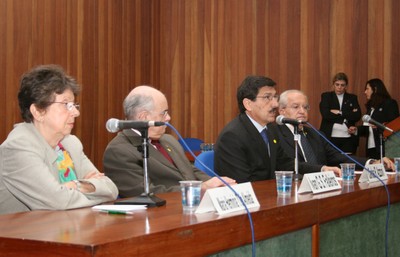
136 103
283 98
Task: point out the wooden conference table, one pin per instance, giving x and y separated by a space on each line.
304 219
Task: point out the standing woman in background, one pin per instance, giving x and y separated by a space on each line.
380 107
339 111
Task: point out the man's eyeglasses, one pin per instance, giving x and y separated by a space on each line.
268 98
69 105
299 107
163 114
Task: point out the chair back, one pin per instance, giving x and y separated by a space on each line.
192 142
208 159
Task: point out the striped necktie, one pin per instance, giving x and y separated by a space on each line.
308 151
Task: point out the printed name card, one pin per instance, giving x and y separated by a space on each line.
373 169
319 182
224 200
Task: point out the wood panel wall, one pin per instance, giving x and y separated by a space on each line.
196 51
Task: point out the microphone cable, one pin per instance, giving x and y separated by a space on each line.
253 244
383 183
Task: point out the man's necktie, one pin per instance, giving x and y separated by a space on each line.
308 151
162 150
265 137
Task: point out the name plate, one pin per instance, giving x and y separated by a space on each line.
223 200
369 171
319 182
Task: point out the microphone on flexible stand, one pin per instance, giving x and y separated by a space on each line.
280 120
367 118
381 128
146 198
113 125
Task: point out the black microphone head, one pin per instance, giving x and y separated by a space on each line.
156 123
112 125
279 119
366 118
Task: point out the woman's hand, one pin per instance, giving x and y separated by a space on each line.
84 186
93 174
352 130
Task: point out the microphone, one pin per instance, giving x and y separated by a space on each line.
281 120
367 118
113 125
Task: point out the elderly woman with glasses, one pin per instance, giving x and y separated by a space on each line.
43 165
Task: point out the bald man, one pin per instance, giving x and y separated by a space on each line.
167 163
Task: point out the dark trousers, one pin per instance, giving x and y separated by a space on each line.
346 144
375 153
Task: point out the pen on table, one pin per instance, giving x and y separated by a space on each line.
118 212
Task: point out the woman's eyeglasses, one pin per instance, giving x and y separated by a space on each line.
68 105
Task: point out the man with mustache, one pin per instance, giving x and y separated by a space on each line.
248 148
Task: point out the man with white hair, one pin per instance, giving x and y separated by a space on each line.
293 104
167 162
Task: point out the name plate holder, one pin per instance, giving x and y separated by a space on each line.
377 169
224 200
319 182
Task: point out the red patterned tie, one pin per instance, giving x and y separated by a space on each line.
161 149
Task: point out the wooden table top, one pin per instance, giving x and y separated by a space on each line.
166 230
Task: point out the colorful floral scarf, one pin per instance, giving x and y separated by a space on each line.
66 169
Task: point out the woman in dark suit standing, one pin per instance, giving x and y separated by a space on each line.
340 110
380 107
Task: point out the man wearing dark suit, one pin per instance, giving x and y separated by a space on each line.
339 111
167 163
241 151
293 104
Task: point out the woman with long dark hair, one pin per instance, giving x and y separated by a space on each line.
382 108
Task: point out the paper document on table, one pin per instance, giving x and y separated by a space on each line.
109 207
